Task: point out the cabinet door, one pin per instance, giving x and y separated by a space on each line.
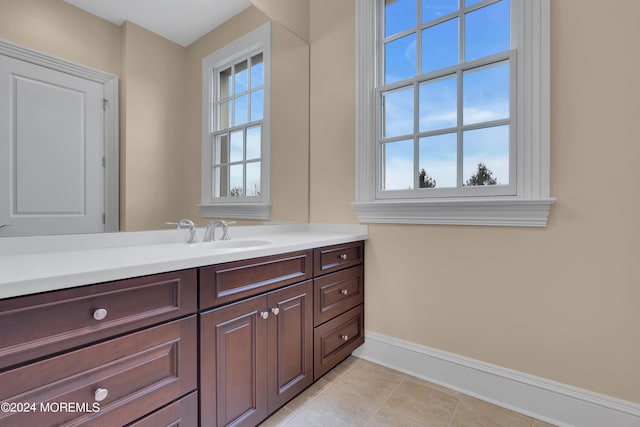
290 343
233 364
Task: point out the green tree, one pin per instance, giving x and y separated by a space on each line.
425 180
482 176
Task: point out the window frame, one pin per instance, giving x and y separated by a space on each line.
529 205
243 207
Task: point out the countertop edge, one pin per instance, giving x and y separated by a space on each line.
51 274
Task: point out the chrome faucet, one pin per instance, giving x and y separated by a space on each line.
210 232
186 224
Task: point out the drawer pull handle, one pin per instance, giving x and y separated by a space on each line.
101 394
100 314
275 311
344 292
344 337
264 315
343 257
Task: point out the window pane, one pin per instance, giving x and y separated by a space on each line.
487 31
486 156
400 59
439 160
220 181
254 137
225 84
440 46
236 180
398 165
257 71
224 116
257 105
439 104
241 111
221 150
400 15
397 111
253 179
486 94
434 9
241 78
237 149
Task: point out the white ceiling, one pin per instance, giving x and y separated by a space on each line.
182 21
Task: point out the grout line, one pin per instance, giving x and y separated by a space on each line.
387 400
455 412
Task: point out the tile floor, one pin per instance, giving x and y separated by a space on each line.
361 393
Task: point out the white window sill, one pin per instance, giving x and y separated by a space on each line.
256 211
494 211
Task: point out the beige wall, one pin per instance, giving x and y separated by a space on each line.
153 130
559 302
293 14
56 28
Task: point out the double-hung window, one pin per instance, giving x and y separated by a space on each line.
235 166
453 104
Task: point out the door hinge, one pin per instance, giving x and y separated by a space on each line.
104 218
104 162
105 103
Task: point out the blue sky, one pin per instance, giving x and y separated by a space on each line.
485 92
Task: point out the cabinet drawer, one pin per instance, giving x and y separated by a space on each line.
37 325
336 293
183 413
337 257
138 373
336 339
223 283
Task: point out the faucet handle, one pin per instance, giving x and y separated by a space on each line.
182 224
225 229
186 224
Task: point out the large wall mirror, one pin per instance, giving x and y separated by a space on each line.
160 102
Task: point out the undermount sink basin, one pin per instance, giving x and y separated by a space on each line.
235 244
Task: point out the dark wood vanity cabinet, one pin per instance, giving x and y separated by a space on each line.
258 353
99 355
338 304
227 344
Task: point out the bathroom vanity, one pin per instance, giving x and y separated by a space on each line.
228 340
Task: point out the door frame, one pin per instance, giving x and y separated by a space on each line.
111 125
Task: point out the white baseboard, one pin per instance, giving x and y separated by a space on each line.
547 400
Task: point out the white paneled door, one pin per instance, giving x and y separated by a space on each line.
52 178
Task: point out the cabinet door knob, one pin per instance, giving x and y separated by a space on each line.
101 394
275 311
345 337
264 315
344 292
100 314
343 256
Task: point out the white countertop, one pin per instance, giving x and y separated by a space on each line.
45 263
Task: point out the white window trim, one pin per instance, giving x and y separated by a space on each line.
237 207
532 202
